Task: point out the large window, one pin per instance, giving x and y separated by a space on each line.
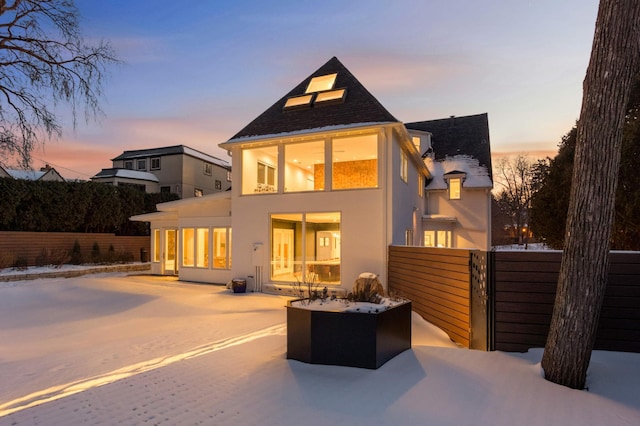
304 166
202 247
197 249
306 247
222 248
188 246
259 170
355 162
156 245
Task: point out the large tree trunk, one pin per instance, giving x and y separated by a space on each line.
615 60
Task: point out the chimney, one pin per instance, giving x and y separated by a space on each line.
46 168
452 121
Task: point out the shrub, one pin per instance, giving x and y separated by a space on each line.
76 254
95 253
7 260
21 263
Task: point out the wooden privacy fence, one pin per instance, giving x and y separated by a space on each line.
525 288
438 282
29 245
504 300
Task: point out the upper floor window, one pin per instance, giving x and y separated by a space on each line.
218 184
304 166
420 186
404 166
416 142
355 162
128 164
455 184
321 83
259 170
155 163
208 169
228 175
141 164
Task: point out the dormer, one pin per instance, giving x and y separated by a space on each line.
454 181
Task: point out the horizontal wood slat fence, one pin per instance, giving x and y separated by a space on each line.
518 302
29 245
437 281
525 288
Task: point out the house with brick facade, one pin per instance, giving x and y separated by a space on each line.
324 181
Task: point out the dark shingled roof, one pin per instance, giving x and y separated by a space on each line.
359 106
468 135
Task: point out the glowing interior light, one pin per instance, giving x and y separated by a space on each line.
322 83
330 96
298 101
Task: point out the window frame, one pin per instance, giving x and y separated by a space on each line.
141 164
155 159
404 166
207 168
455 188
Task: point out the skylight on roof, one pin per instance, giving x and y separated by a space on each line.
322 83
298 101
333 95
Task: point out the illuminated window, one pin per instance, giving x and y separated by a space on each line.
416 142
306 246
442 239
222 248
322 83
332 96
355 162
197 192
188 246
454 188
304 166
156 245
420 186
202 247
259 170
404 166
298 101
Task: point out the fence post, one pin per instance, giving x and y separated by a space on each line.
481 266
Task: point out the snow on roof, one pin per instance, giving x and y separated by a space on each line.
26 174
126 173
477 176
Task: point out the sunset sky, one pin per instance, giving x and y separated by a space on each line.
195 72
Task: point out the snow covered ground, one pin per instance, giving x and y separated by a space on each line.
117 349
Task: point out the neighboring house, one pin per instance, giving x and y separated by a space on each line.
325 180
145 181
177 169
46 173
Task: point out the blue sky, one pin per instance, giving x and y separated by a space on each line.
195 72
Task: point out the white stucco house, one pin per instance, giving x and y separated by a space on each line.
323 182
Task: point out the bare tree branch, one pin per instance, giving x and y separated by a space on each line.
44 61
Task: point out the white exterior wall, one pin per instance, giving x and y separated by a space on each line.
473 214
363 242
406 205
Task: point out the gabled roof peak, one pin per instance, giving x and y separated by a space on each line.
337 100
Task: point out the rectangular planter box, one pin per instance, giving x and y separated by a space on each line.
352 339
